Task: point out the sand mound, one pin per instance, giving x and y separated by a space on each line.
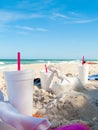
59 110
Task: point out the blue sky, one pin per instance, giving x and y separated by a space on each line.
49 28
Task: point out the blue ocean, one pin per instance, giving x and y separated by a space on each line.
34 61
5 62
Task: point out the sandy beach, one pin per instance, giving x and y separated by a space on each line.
76 105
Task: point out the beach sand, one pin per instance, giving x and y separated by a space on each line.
76 105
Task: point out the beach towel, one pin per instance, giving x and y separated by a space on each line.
76 126
93 77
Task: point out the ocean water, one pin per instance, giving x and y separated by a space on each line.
5 62
33 61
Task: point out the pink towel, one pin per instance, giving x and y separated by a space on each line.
74 127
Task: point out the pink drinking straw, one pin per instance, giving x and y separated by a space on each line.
46 69
83 61
18 61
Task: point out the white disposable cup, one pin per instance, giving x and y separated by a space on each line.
83 73
20 90
46 79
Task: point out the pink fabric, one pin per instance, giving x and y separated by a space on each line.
73 127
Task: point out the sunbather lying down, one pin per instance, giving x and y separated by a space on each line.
10 116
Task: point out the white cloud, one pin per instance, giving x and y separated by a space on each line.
34 5
58 15
72 18
6 16
26 28
23 32
41 29
80 21
85 21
